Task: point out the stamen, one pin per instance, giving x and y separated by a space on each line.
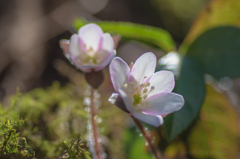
139 93
152 88
143 85
145 96
137 89
144 90
148 84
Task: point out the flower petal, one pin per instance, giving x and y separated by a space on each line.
87 68
163 103
126 100
117 100
119 72
106 52
143 66
113 98
163 81
107 43
91 34
74 46
106 61
151 120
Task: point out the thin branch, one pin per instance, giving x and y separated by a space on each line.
155 151
94 126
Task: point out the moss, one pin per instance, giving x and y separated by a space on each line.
52 123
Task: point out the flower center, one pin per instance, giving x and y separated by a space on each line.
91 55
139 93
137 99
92 60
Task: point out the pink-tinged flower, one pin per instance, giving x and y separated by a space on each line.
90 49
144 94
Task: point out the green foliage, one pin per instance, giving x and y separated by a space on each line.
191 85
11 142
212 16
217 51
135 144
54 119
76 150
49 116
177 15
215 134
216 13
143 33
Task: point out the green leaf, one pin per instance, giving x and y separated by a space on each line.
215 129
216 13
217 51
191 85
143 33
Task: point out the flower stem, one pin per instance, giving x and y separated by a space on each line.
155 151
94 126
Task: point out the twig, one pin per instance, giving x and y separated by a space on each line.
94 126
148 138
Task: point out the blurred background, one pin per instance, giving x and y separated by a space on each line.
30 32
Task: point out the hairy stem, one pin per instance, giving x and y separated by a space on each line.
155 151
94 126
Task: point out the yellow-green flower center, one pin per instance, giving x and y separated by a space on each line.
139 93
92 60
91 55
137 98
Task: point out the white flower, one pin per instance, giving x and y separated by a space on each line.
144 94
90 49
